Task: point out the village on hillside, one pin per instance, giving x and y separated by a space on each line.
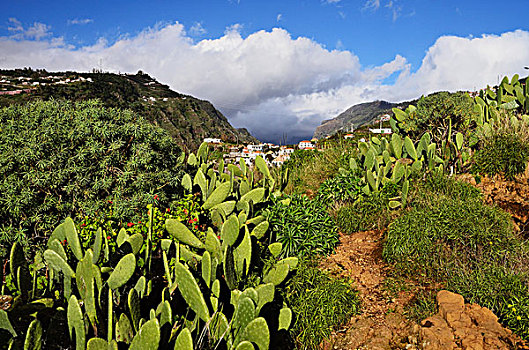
276 155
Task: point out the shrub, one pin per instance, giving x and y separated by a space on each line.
340 188
369 212
452 237
320 303
311 168
502 152
303 226
62 159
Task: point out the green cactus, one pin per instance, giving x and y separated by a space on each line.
98 344
57 263
396 145
275 248
263 168
256 195
6 324
244 313
190 291
230 230
285 318
265 293
187 183
213 244
136 242
133 302
205 265
217 196
410 148
180 232
165 312
277 274
242 255
33 339
184 341
20 270
200 180
260 229
257 332
245 345
226 207
124 331
148 337
76 322
123 271
219 325
85 284
98 244
122 237
229 268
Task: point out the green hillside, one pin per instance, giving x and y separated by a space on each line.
188 119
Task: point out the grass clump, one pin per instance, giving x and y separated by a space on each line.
302 225
340 188
450 236
368 212
504 150
320 303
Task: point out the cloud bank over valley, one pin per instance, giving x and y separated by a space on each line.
269 81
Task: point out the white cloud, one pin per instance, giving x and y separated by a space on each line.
331 1
269 81
371 5
80 21
279 17
197 29
36 31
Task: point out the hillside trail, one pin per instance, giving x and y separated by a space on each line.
382 323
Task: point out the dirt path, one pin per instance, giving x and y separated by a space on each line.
382 324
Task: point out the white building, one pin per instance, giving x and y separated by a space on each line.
381 131
212 140
348 136
305 144
255 148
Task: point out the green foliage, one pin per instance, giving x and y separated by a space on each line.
61 159
302 225
340 188
502 152
320 303
451 236
368 213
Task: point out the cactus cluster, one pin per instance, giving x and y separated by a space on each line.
381 161
105 292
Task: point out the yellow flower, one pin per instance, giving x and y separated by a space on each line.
513 309
518 318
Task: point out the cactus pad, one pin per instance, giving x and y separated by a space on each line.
180 232
190 291
123 271
148 336
257 332
184 341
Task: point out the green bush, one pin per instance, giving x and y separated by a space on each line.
451 236
320 303
369 212
303 226
505 153
62 159
340 188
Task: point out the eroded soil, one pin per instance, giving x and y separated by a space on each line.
383 323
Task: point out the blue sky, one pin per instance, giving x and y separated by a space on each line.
289 64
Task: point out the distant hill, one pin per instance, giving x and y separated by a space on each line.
188 119
360 114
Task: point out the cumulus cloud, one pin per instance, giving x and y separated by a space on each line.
270 82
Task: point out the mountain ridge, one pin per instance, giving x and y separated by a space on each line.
188 119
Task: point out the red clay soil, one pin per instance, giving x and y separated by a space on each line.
382 323
511 196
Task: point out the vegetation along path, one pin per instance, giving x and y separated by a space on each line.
382 324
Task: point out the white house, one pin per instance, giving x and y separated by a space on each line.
255 148
305 144
381 131
212 140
